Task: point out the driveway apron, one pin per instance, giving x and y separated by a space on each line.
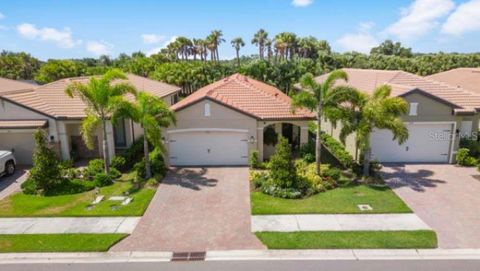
197 209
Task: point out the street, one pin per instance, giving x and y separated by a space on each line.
278 265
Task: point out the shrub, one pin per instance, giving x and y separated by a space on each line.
338 150
70 173
118 162
253 161
464 158
258 178
29 187
45 173
472 145
93 168
134 153
102 179
157 165
307 152
115 173
283 171
327 180
66 164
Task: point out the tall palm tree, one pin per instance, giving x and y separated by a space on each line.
259 39
103 99
153 115
238 43
326 99
287 44
268 44
376 111
215 38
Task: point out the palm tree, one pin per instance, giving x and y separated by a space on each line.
325 99
268 44
287 43
376 111
215 38
259 39
103 99
237 43
153 115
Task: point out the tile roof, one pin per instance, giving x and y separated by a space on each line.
8 85
248 96
403 82
466 78
51 99
22 124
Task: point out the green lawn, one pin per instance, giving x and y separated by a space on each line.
349 239
341 200
21 205
58 242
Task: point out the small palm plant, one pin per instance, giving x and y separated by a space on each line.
327 100
376 111
103 99
153 115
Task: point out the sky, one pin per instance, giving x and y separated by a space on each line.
76 29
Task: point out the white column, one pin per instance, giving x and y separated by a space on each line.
110 140
64 140
303 135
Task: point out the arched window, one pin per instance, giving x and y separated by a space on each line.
206 110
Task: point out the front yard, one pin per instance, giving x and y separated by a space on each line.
349 239
58 242
23 205
341 200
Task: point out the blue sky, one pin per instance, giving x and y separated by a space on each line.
74 29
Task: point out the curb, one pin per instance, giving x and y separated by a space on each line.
248 255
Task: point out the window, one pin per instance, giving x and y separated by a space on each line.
207 110
413 109
119 134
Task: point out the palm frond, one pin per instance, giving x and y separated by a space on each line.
89 129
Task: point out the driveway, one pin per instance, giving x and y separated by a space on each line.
11 184
197 210
446 197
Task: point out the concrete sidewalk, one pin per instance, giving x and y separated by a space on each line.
52 225
373 222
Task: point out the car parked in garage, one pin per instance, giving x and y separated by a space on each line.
7 163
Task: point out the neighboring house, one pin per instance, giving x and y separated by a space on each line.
222 123
466 78
24 108
438 115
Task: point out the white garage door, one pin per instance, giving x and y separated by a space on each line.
426 143
208 148
22 144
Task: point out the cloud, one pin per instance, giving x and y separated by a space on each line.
99 47
2 16
152 38
361 41
63 38
302 3
466 18
165 44
419 18
2 27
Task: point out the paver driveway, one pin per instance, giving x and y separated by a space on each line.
446 197
11 184
197 210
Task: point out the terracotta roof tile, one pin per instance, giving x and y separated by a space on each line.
466 78
403 82
22 124
249 96
51 99
8 85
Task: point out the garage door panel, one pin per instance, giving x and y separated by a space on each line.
426 143
208 148
22 144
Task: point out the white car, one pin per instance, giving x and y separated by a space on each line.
7 163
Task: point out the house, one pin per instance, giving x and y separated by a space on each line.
439 114
224 122
24 108
466 78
